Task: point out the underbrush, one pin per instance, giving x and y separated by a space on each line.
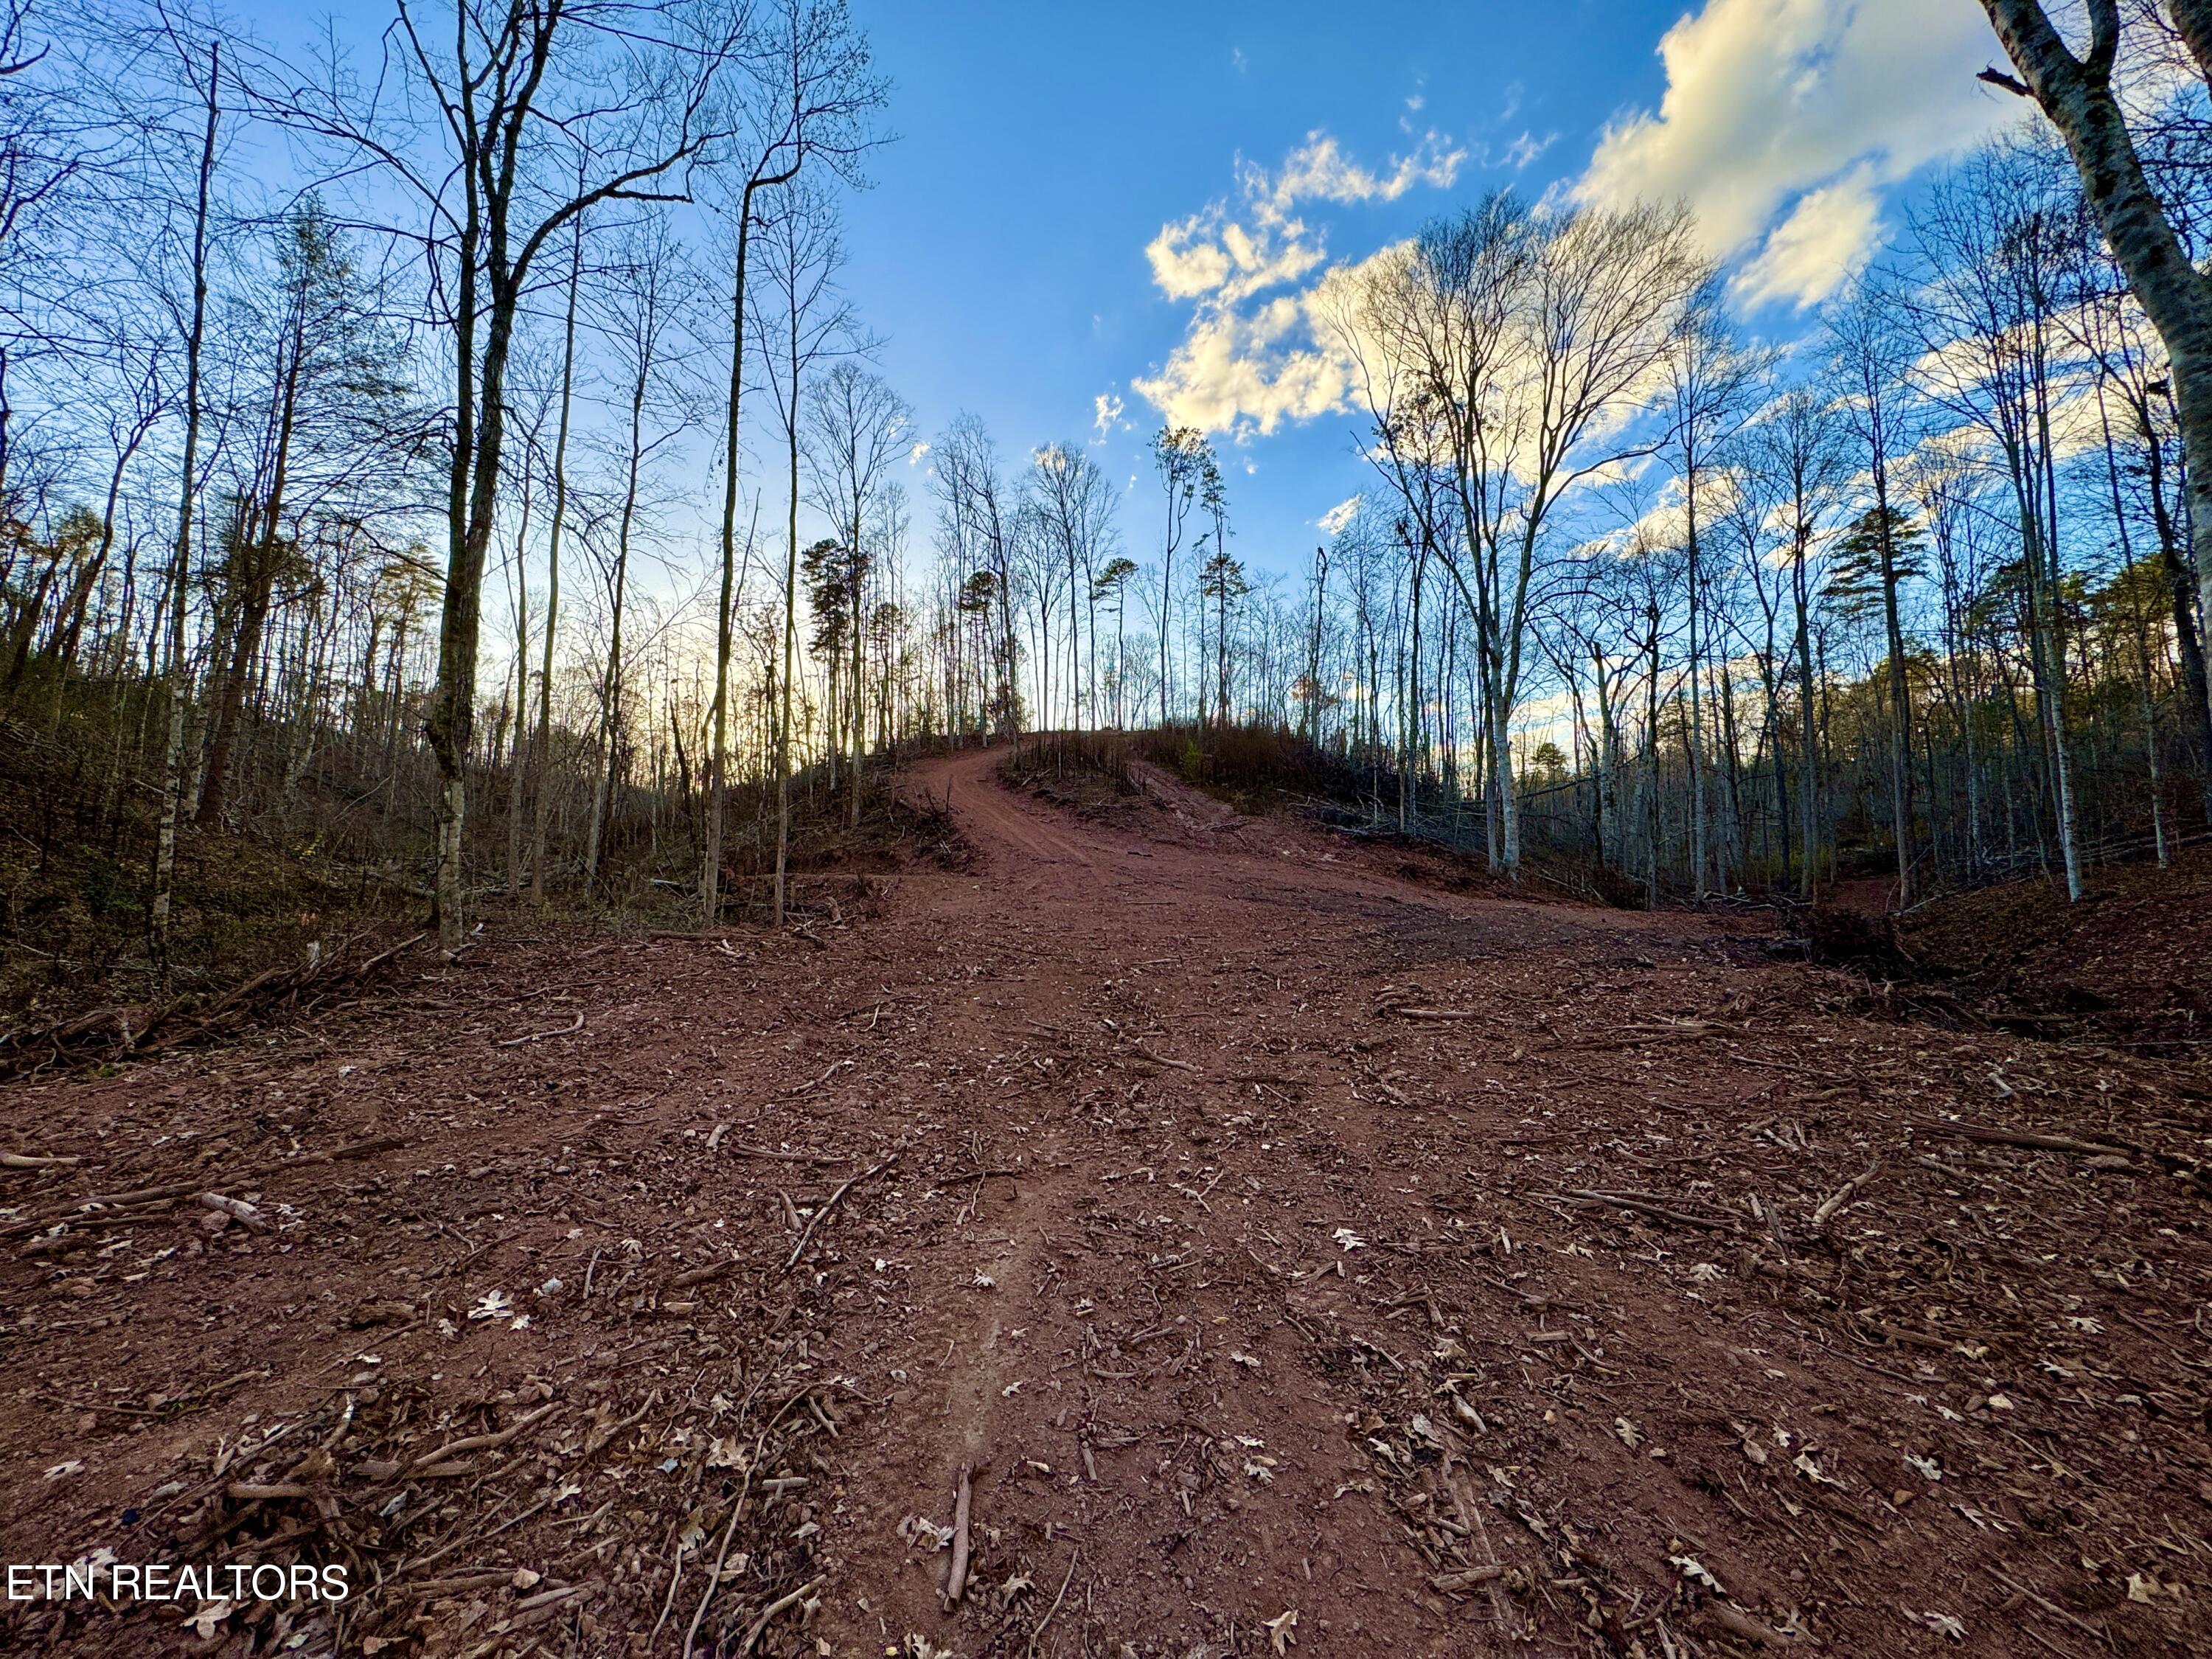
2125 966
76 869
1253 767
269 896
1092 774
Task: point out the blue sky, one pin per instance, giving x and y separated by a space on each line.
1133 201
1044 148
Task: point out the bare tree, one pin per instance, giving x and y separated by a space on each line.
799 320
647 292
532 96
977 523
165 857
1870 352
854 428
2081 96
812 97
1799 445
1525 341
572 290
1992 238
1188 472
1712 383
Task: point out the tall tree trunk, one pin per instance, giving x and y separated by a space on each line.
790 629
544 738
165 852
1900 694
517 767
2078 95
710 878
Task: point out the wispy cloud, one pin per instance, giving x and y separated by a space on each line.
1106 410
1333 522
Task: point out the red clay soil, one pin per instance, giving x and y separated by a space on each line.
1293 1260
2132 960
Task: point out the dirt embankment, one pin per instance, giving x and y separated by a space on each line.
1276 1251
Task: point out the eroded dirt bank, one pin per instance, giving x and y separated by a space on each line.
1287 1254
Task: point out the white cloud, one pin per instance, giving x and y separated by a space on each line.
1106 409
914 455
1237 371
1264 243
1782 125
1318 170
1525 148
1333 522
1767 99
1243 366
1823 243
1210 254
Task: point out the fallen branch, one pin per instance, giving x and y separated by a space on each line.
835 1067
1464 1578
1645 1205
1843 1194
2045 1143
540 1036
815 1220
28 1161
789 1599
237 1209
132 1029
1038 1634
1740 1624
722 1554
956 1575
785 1158
1635 1036
1143 1052
691 1276
476 1442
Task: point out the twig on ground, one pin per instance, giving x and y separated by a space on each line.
785 1157
789 1599
236 1209
1038 1634
1644 1206
722 1554
956 1575
540 1036
1843 1194
815 1220
1143 1052
483 1442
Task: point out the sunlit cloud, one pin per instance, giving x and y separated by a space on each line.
1246 367
1775 102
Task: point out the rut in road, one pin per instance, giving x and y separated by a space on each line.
1286 1251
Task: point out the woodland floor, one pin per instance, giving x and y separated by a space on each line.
1226 1203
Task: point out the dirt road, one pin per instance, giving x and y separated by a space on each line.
1292 1256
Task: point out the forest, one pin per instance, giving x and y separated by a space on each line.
1602 1055
416 490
